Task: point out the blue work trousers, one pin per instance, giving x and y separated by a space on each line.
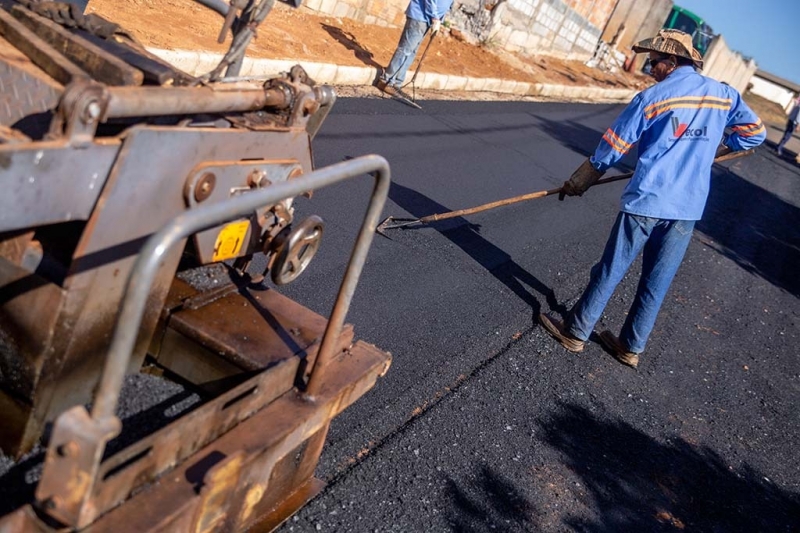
663 244
410 39
790 127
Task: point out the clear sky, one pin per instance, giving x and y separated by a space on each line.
766 30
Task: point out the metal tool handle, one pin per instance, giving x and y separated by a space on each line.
421 59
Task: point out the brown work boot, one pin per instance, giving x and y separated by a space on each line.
556 328
619 351
383 86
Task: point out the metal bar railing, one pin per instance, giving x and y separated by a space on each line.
148 262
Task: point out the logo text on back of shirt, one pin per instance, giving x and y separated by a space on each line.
682 130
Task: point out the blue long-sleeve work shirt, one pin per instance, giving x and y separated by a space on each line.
678 124
427 10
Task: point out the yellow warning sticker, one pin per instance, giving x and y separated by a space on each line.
230 240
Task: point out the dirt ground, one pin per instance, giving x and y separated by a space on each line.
298 34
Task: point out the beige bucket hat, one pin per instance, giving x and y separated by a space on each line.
671 42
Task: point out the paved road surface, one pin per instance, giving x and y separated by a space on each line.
483 423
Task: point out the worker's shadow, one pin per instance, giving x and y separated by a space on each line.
467 237
584 140
349 41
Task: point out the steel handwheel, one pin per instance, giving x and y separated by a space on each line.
297 251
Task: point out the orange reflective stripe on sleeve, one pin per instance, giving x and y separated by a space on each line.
748 130
616 142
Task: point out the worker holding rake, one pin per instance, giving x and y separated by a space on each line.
678 123
421 16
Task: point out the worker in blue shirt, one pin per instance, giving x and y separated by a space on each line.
421 16
678 124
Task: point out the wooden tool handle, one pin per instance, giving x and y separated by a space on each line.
542 194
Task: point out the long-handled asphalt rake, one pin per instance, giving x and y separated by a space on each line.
397 222
398 93
419 65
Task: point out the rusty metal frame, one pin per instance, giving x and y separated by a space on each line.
70 489
126 102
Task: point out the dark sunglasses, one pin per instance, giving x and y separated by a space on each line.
654 62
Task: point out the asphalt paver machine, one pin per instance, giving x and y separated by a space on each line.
127 184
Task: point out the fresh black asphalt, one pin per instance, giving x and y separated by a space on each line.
483 422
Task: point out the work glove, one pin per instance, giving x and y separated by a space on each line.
436 25
722 150
580 181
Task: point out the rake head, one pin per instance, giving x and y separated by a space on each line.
394 223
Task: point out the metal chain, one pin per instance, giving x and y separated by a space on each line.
253 15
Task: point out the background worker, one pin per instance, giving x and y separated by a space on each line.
791 126
421 16
678 123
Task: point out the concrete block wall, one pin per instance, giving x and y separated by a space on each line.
565 28
385 12
551 27
596 12
723 64
390 13
641 19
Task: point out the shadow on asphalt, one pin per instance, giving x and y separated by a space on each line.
638 484
487 501
583 140
753 227
467 237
